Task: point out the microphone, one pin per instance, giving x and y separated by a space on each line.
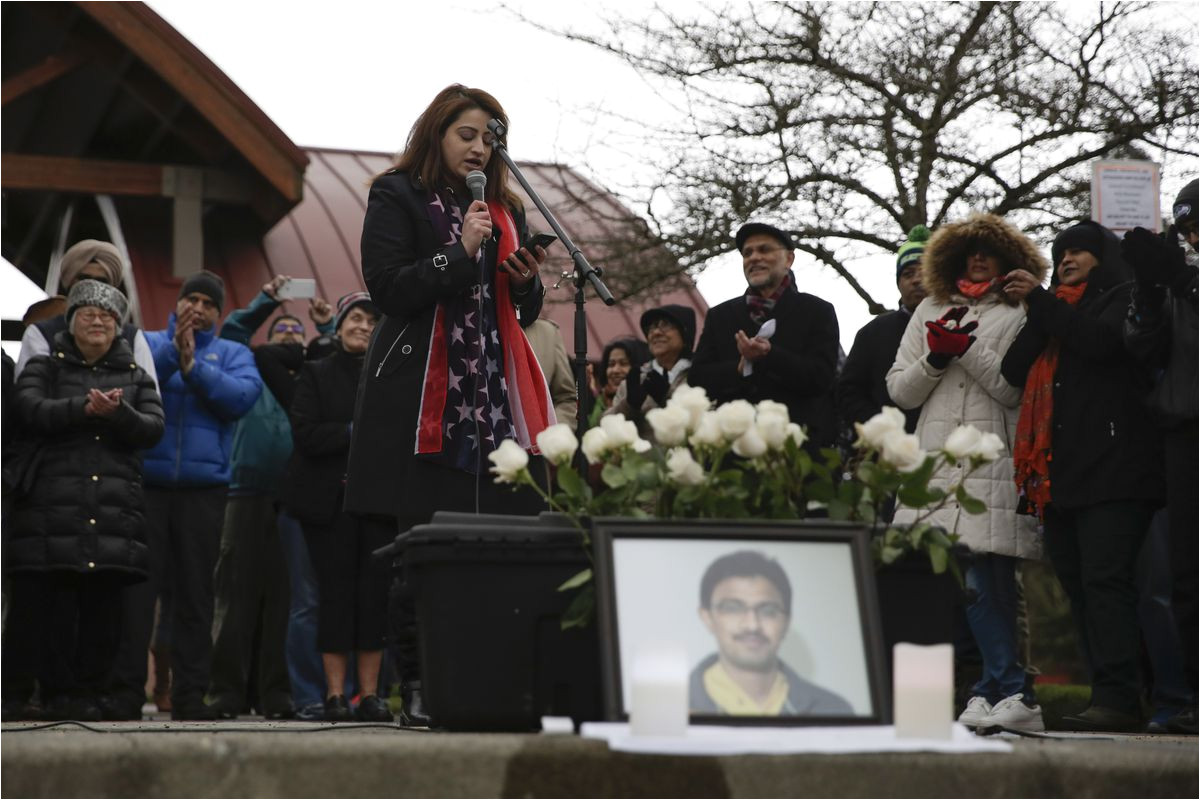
476 181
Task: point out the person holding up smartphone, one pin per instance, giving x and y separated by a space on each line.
449 374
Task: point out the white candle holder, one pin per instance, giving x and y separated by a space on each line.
923 691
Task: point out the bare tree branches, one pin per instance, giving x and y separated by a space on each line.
848 123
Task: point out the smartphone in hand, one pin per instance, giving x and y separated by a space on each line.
297 289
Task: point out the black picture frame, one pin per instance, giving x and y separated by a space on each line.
613 539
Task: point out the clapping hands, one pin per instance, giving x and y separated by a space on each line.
103 404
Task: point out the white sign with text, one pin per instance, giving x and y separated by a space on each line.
1125 195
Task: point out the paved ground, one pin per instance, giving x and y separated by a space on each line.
253 758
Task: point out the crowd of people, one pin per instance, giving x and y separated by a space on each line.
179 493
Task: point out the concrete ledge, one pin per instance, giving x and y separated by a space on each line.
312 760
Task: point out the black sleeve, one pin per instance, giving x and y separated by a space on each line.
38 411
855 399
278 365
139 423
403 281
712 368
1096 338
1029 343
311 434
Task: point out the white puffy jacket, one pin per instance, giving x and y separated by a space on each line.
970 391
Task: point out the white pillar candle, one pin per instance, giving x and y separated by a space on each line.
923 690
658 696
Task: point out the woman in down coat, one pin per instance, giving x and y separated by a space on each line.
77 532
949 365
1088 456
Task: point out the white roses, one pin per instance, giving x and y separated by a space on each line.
509 460
885 433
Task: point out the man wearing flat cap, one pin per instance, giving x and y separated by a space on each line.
208 383
88 259
774 342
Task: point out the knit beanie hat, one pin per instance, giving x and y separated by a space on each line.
1086 235
682 317
910 252
206 283
90 251
94 293
350 301
1184 208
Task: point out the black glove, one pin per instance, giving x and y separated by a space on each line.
1156 260
656 387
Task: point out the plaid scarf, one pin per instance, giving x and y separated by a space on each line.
763 308
482 381
1031 449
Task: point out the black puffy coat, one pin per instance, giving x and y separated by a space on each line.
85 510
322 408
1104 444
398 249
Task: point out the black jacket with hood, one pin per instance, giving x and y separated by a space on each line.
84 511
1105 446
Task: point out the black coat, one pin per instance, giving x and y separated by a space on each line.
1104 444
398 249
85 511
322 409
862 384
799 370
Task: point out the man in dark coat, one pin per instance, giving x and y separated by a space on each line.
774 342
1161 330
862 385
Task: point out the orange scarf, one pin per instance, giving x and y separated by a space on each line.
1031 450
975 289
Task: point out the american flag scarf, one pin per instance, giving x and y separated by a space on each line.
482 381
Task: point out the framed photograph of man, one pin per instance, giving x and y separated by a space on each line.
778 620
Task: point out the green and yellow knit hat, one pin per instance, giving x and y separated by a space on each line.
910 252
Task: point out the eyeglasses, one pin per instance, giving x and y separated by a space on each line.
90 315
660 324
762 250
289 327
764 611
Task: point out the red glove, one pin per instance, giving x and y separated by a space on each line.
947 338
946 342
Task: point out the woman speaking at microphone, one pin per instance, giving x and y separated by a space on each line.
449 374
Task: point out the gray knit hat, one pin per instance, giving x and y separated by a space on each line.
94 293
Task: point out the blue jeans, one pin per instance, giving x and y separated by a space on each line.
305 672
993 620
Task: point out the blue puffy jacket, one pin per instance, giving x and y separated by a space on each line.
201 409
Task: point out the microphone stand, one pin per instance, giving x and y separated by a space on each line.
584 273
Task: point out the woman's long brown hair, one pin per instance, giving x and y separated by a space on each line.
422 155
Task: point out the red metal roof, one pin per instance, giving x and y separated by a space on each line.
319 239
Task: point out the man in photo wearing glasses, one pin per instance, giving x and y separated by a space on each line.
774 342
745 602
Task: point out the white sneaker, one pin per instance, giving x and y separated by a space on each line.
976 713
1012 713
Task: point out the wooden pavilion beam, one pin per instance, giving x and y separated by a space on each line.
49 69
94 176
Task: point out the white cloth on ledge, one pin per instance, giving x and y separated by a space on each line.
728 740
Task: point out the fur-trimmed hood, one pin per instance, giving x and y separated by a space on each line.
945 255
